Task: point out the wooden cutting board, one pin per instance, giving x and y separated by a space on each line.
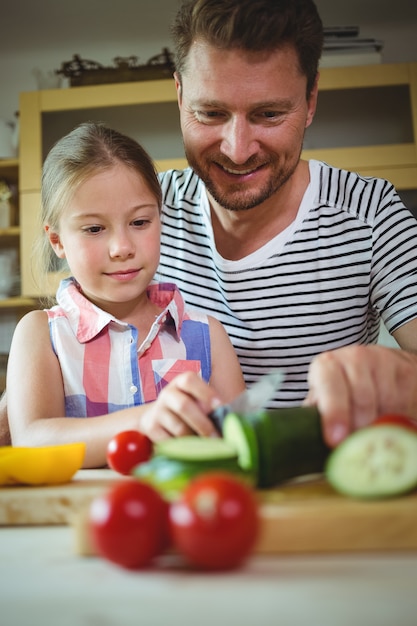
306 515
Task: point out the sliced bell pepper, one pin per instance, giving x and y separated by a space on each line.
44 465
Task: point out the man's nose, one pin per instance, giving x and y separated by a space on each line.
238 142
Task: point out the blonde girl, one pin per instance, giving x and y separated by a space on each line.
117 349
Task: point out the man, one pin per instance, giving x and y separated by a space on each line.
298 260
295 258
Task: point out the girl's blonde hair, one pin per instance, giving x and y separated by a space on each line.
88 149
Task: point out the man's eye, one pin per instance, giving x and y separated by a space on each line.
209 116
270 116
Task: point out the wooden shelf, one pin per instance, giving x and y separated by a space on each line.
19 302
396 162
12 231
9 168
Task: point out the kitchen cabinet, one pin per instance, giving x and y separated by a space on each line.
369 124
12 304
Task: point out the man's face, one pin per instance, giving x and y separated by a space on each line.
243 118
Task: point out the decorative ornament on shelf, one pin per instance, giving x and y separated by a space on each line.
84 72
5 195
7 149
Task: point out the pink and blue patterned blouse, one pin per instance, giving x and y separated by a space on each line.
106 366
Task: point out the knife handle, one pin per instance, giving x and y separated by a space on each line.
217 416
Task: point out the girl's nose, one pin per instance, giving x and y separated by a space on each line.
121 246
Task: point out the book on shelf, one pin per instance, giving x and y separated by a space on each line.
348 58
353 44
340 31
342 46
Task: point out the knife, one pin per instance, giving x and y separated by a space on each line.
251 400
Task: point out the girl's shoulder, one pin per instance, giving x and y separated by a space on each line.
33 321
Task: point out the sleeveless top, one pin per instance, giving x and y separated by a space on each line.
106 366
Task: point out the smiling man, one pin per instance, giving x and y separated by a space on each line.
296 258
299 260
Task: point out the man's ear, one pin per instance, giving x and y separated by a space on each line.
312 101
178 87
55 242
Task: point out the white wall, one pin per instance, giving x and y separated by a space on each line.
44 33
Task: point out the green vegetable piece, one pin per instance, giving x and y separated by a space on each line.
375 463
240 434
178 460
290 444
196 449
279 444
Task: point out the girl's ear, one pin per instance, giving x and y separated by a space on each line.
55 242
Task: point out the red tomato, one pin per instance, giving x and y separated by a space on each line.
215 522
129 524
127 449
396 420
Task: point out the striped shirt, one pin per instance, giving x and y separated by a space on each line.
106 366
348 260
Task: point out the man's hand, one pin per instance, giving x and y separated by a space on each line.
353 385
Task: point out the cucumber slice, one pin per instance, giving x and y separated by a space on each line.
240 434
374 463
196 449
171 476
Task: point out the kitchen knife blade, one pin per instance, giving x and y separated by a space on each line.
251 400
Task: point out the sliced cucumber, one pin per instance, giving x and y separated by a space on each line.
196 449
171 476
290 444
176 461
375 463
265 449
240 434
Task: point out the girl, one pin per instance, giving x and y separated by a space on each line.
116 347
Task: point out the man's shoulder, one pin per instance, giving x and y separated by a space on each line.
180 185
350 190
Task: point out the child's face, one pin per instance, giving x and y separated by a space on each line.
110 236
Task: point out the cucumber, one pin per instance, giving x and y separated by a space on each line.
374 463
264 449
291 444
176 461
171 476
278 444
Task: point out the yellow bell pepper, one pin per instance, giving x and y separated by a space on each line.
45 465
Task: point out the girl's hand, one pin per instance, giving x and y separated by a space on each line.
181 409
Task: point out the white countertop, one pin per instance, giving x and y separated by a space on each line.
43 582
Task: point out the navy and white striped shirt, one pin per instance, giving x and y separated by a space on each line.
348 259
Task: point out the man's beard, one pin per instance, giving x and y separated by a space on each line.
233 199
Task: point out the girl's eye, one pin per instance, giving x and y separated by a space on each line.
140 223
93 229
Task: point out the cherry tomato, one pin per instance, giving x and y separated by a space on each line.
215 522
129 524
127 449
396 420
